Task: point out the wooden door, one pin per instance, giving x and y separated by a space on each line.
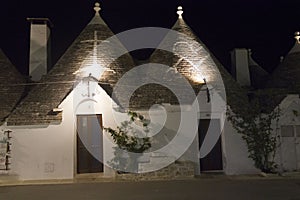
213 160
290 147
89 144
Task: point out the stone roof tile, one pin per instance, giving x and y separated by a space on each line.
12 87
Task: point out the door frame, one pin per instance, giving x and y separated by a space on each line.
76 174
222 120
295 142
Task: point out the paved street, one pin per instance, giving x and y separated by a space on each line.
254 189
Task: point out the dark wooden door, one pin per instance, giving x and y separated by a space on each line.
89 144
213 160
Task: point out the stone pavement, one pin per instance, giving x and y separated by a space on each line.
98 178
207 188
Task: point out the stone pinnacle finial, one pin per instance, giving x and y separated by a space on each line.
180 11
250 51
297 36
97 8
281 58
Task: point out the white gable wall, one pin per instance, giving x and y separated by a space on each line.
45 152
288 152
236 153
49 152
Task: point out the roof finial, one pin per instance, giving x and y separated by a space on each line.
297 36
250 51
281 58
180 11
97 8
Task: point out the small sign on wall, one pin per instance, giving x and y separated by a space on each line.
5 150
49 167
2 155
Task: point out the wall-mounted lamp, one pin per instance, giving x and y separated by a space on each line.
207 91
56 110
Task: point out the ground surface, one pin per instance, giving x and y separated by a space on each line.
254 189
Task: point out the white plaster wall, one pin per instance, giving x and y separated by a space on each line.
235 158
172 124
49 152
45 152
288 151
234 149
101 103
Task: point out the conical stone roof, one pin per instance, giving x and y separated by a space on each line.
287 75
197 64
37 107
284 80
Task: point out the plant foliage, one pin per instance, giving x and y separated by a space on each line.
255 126
129 138
126 135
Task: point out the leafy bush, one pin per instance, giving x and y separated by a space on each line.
255 126
126 139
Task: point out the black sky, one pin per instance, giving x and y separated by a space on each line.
265 26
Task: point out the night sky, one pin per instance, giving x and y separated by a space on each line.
265 26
